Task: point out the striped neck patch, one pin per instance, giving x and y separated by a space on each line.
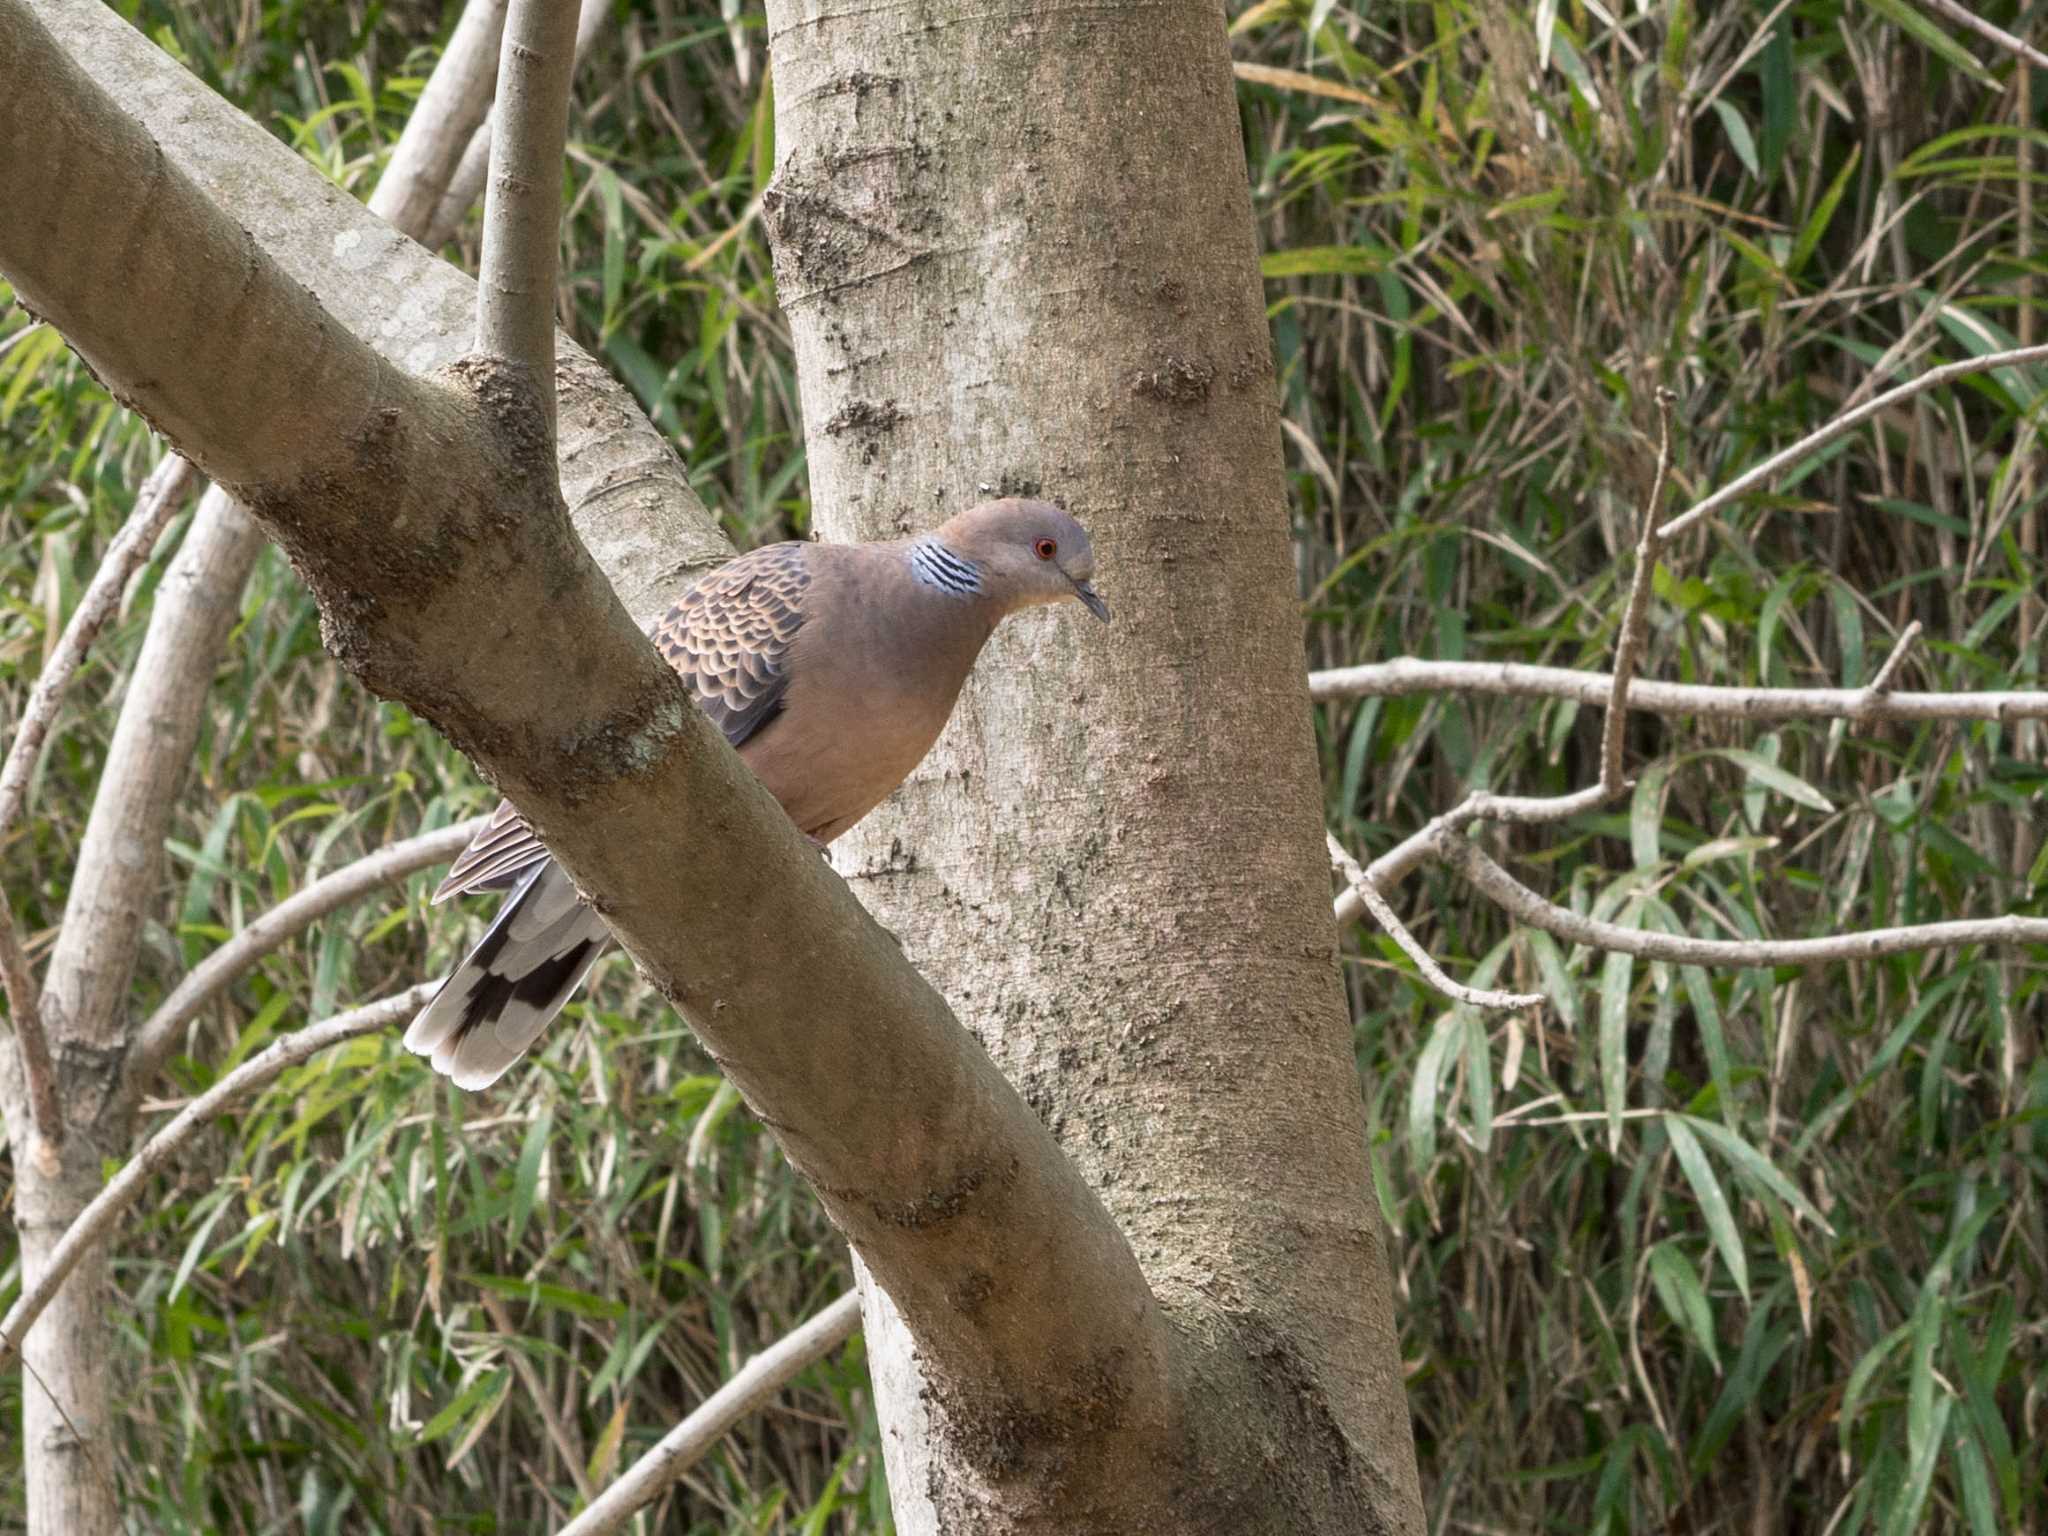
934 565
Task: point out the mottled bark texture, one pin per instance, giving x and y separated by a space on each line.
1016 251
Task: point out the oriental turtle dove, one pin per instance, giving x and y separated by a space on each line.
830 667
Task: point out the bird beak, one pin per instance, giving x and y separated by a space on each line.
1090 600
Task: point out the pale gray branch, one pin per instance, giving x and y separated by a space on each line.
627 491
752 1385
445 120
1361 889
156 504
1847 422
1881 684
18 978
467 184
160 498
283 922
107 1207
113 886
1494 882
1963 16
1404 676
515 310
1387 871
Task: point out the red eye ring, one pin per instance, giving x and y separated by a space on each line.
1045 549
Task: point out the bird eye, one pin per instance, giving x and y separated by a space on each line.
1045 549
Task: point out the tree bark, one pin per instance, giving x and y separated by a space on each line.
423 514
633 507
1017 254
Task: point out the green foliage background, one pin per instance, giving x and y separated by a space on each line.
1761 1250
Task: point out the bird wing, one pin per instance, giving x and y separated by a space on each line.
728 638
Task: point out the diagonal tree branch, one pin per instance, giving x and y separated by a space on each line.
466 185
1847 422
283 922
161 496
751 1387
1469 860
1963 16
628 493
97 1220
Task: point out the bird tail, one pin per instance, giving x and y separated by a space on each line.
536 953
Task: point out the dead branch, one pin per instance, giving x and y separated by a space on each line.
1847 422
1963 16
1360 890
1442 838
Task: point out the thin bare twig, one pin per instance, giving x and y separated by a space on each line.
1847 422
106 1208
1518 901
515 302
751 1386
283 922
1404 676
1881 684
1390 867
1356 884
1635 615
162 494
1963 16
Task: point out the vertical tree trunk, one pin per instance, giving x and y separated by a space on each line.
1017 256
68 1396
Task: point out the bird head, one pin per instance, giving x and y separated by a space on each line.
1031 552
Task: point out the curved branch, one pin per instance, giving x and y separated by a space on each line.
751 1386
1494 882
290 917
1845 423
1359 892
107 1207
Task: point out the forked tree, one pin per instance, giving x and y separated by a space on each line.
1014 257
